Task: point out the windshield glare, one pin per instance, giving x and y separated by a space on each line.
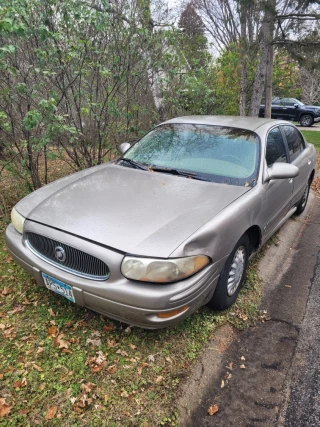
221 154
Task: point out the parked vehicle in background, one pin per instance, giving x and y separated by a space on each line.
171 224
294 110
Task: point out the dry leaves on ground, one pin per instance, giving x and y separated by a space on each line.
213 409
4 408
51 412
316 185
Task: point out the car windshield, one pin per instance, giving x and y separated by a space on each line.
212 153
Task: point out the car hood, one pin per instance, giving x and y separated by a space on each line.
312 107
131 210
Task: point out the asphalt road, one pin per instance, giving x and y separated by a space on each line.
270 373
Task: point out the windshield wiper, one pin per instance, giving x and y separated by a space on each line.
135 164
179 172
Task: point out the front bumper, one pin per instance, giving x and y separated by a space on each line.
135 303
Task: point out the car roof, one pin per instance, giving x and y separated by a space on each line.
249 123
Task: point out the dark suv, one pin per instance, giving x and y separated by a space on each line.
292 109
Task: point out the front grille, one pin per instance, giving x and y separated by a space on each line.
71 259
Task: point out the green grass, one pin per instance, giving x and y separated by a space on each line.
313 137
63 361
50 351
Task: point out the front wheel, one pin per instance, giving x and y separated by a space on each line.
232 276
306 120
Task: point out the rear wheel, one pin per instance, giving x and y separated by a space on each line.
306 120
303 202
232 276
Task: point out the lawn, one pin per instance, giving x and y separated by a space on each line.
313 137
63 364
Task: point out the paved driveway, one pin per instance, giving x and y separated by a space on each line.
270 372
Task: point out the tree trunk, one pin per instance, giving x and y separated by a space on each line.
267 111
265 44
243 53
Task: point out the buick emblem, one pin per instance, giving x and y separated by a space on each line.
60 254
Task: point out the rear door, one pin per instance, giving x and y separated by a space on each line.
300 157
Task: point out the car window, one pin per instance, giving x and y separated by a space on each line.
294 140
275 151
220 154
289 102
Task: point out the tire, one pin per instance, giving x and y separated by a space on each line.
306 120
303 202
227 289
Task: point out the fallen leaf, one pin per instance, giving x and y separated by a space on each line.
2 326
8 259
51 412
132 346
159 379
112 369
230 366
51 312
222 384
95 342
16 310
96 363
213 409
124 394
107 328
60 342
37 368
111 344
9 333
88 387
4 408
242 358
122 353
287 286
242 366
20 384
52 331
151 358
6 291
127 330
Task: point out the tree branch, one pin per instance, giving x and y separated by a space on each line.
300 16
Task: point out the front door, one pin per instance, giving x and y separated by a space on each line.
278 193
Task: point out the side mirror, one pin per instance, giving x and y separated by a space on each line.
124 147
295 105
281 171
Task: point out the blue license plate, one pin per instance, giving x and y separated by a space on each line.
58 287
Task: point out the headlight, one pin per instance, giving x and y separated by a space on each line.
162 270
17 220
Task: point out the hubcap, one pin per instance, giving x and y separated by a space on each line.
305 196
306 120
236 270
